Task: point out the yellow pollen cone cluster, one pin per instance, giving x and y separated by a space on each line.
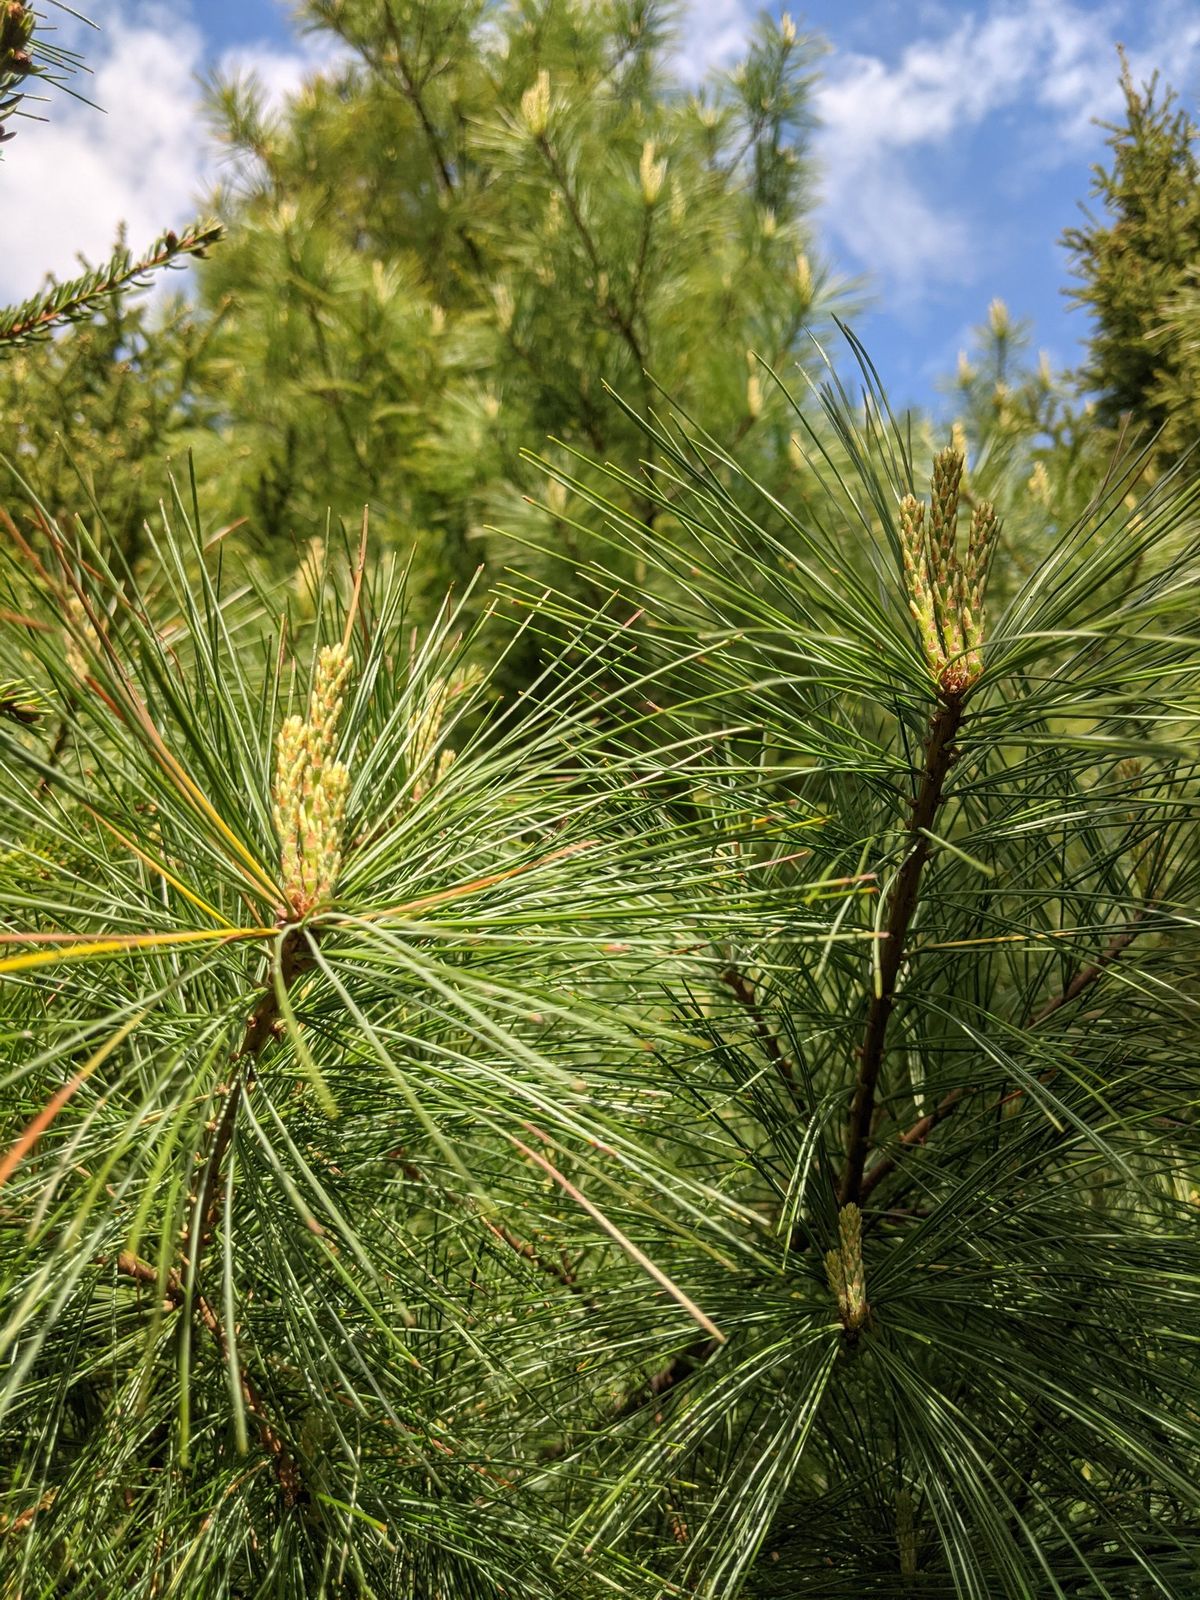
946 589
310 790
425 728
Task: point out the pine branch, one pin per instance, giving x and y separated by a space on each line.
411 90
77 299
919 1132
939 756
561 1270
25 55
129 1266
746 995
260 1029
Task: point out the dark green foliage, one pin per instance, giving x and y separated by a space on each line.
1134 263
490 1227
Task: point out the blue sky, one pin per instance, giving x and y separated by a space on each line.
955 144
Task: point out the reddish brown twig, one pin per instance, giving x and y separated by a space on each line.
920 1130
747 997
939 756
294 958
176 1295
560 1269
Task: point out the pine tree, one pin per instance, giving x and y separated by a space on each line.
444 249
722 1123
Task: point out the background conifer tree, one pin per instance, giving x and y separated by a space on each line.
1138 265
452 242
443 249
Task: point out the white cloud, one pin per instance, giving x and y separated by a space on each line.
1052 60
143 160
279 72
712 34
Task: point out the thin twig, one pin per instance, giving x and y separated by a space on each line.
204 1203
920 1130
939 756
176 1294
747 997
554 1269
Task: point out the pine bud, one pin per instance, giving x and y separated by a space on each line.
804 278
652 173
999 321
425 729
535 105
943 507
556 496
78 628
946 590
16 29
787 28
310 790
505 306
1039 484
845 1272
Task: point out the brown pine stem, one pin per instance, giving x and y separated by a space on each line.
747 997
560 1269
939 756
920 1130
294 958
205 1199
176 1296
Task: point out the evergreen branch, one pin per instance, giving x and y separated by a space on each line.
411 91
618 317
916 1135
260 1028
77 299
747 997
25 54
175 1294
561 1270
939 756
